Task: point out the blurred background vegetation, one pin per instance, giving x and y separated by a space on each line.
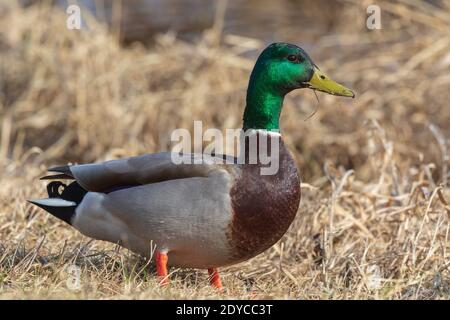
159 65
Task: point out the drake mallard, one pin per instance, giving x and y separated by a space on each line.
204 215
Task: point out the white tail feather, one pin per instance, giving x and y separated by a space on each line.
53 202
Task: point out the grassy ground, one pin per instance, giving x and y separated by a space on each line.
374 215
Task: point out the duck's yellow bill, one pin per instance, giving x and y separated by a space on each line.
322 82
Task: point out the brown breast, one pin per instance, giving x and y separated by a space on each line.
264 206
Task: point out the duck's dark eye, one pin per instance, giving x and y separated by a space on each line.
292 57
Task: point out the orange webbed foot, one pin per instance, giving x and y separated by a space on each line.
161 259
214 278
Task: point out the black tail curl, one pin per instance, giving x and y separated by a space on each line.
72 192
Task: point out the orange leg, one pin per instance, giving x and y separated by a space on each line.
214 278
161 267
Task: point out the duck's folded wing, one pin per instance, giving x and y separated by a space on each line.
189 216
149 168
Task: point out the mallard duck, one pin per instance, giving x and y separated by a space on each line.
204 215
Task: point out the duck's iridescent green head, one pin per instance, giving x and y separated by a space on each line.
281 68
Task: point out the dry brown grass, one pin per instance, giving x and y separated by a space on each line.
374 216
